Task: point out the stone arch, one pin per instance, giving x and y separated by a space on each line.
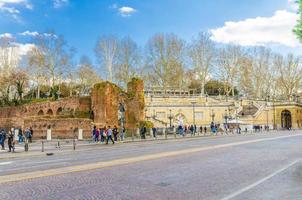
59 111
40 112
286 119
49 112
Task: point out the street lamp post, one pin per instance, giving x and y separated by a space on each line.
170 118
274 106
212 115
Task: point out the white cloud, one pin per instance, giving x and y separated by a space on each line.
6 35
23 49
260 30
60 3
8 6
29 33
126 11
293 5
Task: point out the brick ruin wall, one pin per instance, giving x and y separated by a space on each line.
60 116
64 117
106 98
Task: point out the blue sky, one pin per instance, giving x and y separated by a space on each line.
82 21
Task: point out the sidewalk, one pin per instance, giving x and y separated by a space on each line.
67 146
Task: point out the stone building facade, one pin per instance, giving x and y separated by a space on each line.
184 107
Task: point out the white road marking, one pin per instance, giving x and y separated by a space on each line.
235 194
5 163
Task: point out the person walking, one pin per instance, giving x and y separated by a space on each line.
109 135
154 131
2 139
20 136
27 134
93 133
31 134
97 135
143 132
102 134
191 130
115 133
11 142
123 132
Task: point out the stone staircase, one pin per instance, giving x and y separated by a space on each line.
248 110
156 121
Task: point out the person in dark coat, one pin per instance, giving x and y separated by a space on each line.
31 134
2 139
143 132
115 133
154 132
11 143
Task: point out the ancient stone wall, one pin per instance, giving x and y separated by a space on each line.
106 98
62 114
61 128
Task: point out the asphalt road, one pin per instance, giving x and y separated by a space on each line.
262 166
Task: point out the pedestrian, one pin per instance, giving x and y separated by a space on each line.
115 133
200 129
123 132
109 135
143 132
11 142
186 130
20 136
27 134
154 132
93 133
2 139
205 130
31 134
192 130
97 135
180 130
102 134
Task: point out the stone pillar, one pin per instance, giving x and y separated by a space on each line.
48 134
135 103
80 136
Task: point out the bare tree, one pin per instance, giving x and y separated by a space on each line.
165 60
9 56
51 57
9 61
87 75
128 61
106 51
230 58
202 54
36 68
289 74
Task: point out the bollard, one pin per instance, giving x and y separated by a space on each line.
80 136
42 146
58 144
48 134
74 144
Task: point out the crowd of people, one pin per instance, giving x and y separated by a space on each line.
15 135
106 134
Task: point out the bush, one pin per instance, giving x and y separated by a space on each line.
148 124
